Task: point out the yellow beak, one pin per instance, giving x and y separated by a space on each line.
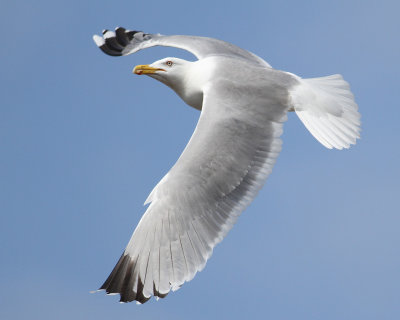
145 69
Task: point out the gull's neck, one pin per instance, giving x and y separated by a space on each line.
191 83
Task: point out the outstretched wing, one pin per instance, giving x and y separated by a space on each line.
123 42
227 160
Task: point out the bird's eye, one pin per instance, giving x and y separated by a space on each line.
169 63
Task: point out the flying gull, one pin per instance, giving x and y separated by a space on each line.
244 103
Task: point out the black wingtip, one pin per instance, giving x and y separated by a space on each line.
157 293
107 50
121 36
122 280
122 261
140 297
114 43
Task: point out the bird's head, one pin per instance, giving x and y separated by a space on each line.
170 71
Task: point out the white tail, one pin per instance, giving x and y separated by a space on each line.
327 108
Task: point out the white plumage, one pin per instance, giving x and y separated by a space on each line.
326 107
243 103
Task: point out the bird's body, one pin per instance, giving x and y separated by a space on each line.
198 74
244 103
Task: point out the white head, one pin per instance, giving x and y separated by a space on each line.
170 71
180 75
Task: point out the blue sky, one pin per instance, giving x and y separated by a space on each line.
83 142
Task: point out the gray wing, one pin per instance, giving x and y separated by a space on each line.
227 160
123 42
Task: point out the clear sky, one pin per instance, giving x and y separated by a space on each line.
83 142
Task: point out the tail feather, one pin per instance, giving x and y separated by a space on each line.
327 108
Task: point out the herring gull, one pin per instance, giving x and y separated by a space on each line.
244 103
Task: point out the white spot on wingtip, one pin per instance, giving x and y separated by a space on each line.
109 34
98 40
